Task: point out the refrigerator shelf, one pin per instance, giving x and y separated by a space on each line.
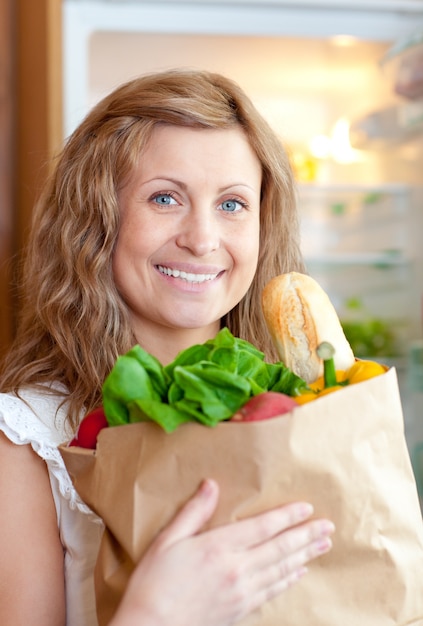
355 224
380 260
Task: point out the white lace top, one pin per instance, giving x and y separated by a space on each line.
43 427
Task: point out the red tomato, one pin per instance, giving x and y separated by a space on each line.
86 435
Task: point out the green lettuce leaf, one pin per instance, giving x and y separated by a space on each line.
207 383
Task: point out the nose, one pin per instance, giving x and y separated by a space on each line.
199 233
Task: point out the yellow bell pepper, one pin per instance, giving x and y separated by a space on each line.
363 370
318 388
333 380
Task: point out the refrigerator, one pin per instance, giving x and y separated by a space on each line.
342 84
362 233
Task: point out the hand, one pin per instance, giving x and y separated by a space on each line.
217 577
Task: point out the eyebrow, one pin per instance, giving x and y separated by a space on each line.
174 181
184 186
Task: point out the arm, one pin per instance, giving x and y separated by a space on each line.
31 564
218 577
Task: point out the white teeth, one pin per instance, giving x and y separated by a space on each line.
188 276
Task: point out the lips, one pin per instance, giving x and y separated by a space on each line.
190 277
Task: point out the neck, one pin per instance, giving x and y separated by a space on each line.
166 344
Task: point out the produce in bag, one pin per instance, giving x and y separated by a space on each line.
345 452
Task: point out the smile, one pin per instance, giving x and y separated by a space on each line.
188 276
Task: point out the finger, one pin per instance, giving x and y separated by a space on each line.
292 545
260 528
193 515
271 581
284 569
267 593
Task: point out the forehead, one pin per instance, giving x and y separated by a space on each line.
179 145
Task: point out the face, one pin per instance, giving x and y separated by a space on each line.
188 243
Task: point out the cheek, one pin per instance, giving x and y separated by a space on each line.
246 251
128 253
122 252
135 239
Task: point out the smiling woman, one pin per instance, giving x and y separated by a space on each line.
169 209
192 208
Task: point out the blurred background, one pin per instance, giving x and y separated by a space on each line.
340 81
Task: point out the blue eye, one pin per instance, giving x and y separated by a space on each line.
165 199
232 206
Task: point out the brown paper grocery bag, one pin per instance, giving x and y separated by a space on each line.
345 453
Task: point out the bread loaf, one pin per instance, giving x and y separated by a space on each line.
299 316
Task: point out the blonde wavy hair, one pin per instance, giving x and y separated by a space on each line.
73 322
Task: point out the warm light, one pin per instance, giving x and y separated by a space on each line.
335 146
343 40
341 149
320 147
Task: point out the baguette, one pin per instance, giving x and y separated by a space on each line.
299 316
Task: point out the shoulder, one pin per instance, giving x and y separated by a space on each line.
37 417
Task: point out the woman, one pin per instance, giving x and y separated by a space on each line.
169 209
